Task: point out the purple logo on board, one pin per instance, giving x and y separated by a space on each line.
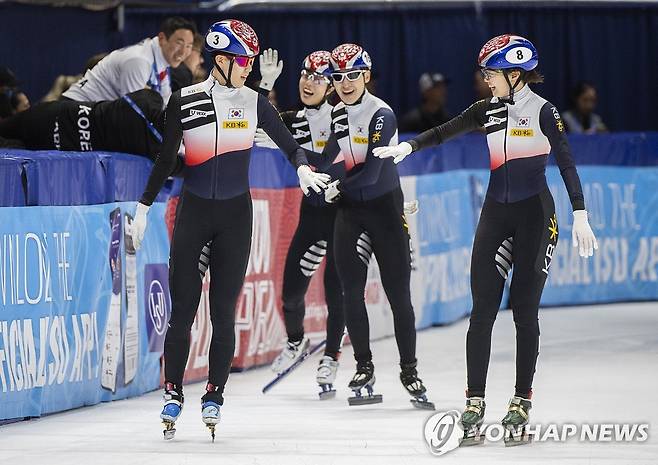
157 304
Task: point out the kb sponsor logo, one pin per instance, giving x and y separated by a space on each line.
242 124
521 132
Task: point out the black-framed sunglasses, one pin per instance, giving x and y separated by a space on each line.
350 76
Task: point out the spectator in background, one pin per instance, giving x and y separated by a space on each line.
580 118
432 111
195 61
12 101
144 65
20 102
201 74
190 71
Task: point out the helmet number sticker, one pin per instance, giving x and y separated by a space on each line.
518 55
218 40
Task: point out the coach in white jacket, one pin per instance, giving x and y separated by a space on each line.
139 66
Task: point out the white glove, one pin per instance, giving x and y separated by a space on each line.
582 235
261 139
331 193
139 224
310 179
270 68
399 152
411 207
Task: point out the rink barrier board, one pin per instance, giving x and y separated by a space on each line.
86 178
72 332
61 345
59 332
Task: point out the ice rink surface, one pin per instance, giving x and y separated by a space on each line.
596 365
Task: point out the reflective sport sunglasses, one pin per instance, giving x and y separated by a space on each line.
351 76
243 62
490 73
314 77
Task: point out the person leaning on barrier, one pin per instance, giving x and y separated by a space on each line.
131 124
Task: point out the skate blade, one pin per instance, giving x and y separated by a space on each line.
211 428
471 441
169 430
518 440
365 400
423 404
327 394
